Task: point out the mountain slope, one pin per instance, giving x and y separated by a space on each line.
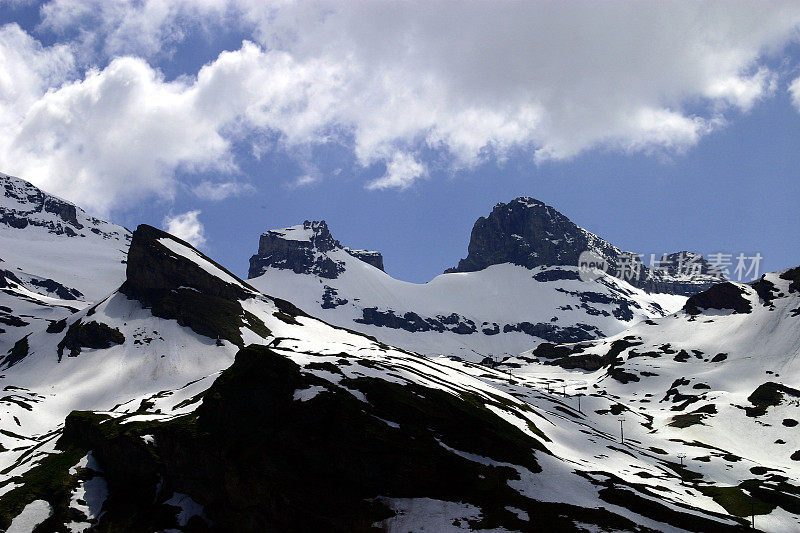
312 427
499 311
54 259
720 379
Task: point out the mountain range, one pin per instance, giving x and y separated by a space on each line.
148 388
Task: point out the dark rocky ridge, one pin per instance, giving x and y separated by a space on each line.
175 287
529 233
152 268
279 249
721 296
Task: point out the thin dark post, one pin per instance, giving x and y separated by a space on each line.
621 433
579 402
564 389
681 456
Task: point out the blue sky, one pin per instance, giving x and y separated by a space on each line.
660 128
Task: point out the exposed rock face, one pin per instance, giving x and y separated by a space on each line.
411 321
721 296
303 250
368 256
177 287
153 268
529 233
685 273
88 335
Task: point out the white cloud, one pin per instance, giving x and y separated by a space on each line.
120 27
794 91
401 171
114 137
217 191
186 226
27 71
388 79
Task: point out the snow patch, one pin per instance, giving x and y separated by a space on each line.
189 508
31 516
304 395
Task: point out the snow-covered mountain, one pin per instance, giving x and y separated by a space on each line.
187 400
719 380
498 311
54 258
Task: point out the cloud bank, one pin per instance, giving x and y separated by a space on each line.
92 119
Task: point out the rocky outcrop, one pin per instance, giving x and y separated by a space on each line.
28 201
529 233
684 273
177 287
152 268
88 335
303 249
412 322
368 256
300 249
723 296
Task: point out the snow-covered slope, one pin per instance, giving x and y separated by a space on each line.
718 380
495 312
54 258
313 427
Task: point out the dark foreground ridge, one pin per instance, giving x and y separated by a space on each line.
257 459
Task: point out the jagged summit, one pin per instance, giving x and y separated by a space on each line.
304 249
530 233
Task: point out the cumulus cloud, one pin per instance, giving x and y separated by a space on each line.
186 226
114 137
401 171
388 80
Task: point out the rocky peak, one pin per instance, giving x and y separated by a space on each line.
175 281
529 233
158 261
304 249
22 200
